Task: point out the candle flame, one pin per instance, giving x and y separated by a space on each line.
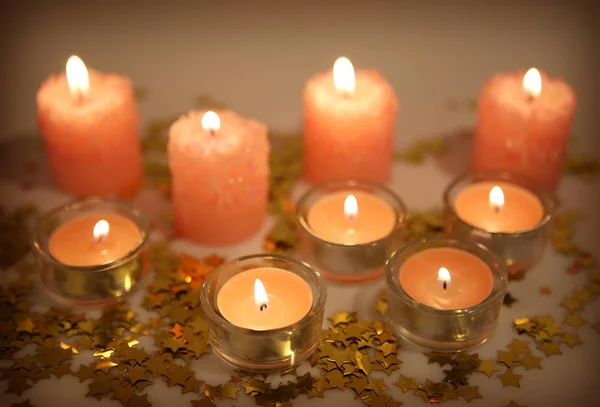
77 76
101 230
350 207
496 198
344 78
444 277
211 122
260 295
532 83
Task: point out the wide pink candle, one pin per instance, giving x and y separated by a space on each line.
523 124
446 278
89 122
351 218
499 207
220 176
265 298
349 124
94 239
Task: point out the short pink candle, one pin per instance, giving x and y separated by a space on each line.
446 278
94 239
220 176
264 298
523 124
499 207
89 122
351 218
349 124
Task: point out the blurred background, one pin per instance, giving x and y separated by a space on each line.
256 56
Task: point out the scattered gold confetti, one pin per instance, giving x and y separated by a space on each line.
510 379
488 367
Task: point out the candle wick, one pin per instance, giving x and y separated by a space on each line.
212 132
445 285
263 307
496 208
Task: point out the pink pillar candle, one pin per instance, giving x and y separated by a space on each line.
94 239
523 124
446 278
349 124
499 207
220 176
265 298
89 122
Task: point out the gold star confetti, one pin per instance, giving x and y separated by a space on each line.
342 318
574 320
510 379
508 358
531 362
571 339
519 347
469 393
488 367
229 391
549 348
571 304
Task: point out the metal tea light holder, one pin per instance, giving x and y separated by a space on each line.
97 285
519 250
445 330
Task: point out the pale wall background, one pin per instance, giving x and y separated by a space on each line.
256 55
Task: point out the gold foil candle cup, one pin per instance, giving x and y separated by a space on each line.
519 249
261 348
349 262
96 284
444 330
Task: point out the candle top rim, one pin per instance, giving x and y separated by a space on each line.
236 133
484 254
106 90
556 94
399 213
546 214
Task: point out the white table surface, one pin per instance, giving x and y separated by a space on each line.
256 57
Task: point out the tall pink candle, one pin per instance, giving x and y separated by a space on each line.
220 176
446 278
523 125
349 123
89 122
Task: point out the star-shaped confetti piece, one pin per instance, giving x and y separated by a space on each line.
25 325
571 304
549 348
488 367
571 339
510 379
531 362
574 320
519 347
469 393
508 358
229 391
139 400
342 318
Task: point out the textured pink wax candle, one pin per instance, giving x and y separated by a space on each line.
349 127
523 129
220 176
91 135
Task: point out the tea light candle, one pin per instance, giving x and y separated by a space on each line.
351 217
264 298
445 294
506 212
264 313
219 164
446 278
94 239
89 123
349 228
499 207
91 252
523 124
349 123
